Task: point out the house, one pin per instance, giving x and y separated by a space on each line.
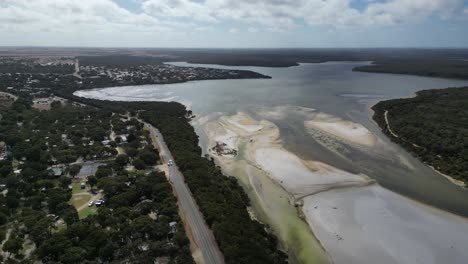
173 227
57 172
123 138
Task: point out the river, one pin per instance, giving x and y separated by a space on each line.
311 158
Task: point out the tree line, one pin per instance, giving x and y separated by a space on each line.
433 126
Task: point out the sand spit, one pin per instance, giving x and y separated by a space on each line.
299 177
244 122
341 129
374 225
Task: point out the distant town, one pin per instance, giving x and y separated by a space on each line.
38 76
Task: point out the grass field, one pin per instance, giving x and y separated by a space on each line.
79 199
87 211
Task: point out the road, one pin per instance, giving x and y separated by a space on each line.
202 235
77 69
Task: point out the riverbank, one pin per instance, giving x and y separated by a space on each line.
429 126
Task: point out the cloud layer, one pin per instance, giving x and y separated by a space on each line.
175 17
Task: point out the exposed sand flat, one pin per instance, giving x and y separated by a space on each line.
358 224
244 122
345 130
374 225
269 198
298 177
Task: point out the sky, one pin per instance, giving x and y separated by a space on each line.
234 23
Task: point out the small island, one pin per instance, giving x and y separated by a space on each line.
433 125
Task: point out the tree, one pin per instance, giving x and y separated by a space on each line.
139 164
73 255
12 200
13 245
121 160
149 157
131 138
56 104
3 218
74 169
65 182
92 181
40 231
131 152
103 171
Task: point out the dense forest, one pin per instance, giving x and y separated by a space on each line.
457 69
221 199
433 125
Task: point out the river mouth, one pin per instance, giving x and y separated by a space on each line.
312 143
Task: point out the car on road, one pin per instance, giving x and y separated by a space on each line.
170 163
99 202
90 203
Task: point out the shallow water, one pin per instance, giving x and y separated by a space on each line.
332 88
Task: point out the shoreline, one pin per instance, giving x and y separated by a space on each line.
372 114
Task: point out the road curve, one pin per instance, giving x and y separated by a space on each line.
201 234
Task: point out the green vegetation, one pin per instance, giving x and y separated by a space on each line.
132 225
433 125
431 68
87 211
79 200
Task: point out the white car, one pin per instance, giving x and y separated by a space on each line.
170 163
90 204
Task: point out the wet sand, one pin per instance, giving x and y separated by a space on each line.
374 225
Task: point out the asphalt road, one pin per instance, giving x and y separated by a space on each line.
201 234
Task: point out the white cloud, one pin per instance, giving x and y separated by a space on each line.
252 30
68 15
176 16
178 8
234 31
